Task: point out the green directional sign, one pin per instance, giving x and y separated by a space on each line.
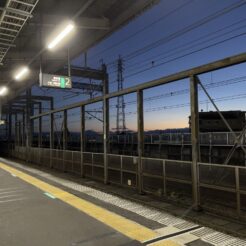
55 81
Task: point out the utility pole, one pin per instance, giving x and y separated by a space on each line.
120 119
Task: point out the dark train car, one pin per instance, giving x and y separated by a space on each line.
212 122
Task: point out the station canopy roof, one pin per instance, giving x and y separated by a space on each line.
25 26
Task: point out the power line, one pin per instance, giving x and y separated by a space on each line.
189 44
185 30
176 93
186 91
144 28
182 56
220 99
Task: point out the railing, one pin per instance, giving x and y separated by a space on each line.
206 138
220 186
223 185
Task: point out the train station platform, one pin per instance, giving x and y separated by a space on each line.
46 207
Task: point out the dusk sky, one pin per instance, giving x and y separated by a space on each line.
170 37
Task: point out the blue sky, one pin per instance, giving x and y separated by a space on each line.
161 22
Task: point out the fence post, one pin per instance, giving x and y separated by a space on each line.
164 178
105 123
40 126
64 138
210 147
182 146
82 141
121 168
140 138
195 141
238 191
92 164
28 125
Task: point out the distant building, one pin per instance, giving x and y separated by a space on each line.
212 122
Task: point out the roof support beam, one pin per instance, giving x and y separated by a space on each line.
9 45
86 86
83 72
42 98
17 11
50 21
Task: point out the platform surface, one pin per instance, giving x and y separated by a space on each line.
30 216
39 207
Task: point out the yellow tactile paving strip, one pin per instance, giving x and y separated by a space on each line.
165 243
127 227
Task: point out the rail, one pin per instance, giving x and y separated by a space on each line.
206 138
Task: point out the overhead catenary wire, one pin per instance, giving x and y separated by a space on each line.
163 17
176 93
177 50
186 29
182 56
190 44
181 105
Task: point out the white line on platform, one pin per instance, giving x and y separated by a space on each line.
11 191
13 200
14 195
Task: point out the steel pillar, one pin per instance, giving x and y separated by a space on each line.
140 119
195 142
105 124
9 124
82 140
23 129
19 133
64 130
51 131
51 126
40 126
28 125
16 131
64 138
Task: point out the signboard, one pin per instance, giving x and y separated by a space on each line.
55 81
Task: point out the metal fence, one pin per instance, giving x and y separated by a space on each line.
206 138
222 188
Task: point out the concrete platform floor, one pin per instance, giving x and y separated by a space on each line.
39 208
30 216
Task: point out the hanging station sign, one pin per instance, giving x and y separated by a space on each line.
55 81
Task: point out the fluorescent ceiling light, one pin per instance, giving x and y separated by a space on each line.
23 71
3 90
69 27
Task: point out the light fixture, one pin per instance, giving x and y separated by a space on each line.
21 73
69 27
3 90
